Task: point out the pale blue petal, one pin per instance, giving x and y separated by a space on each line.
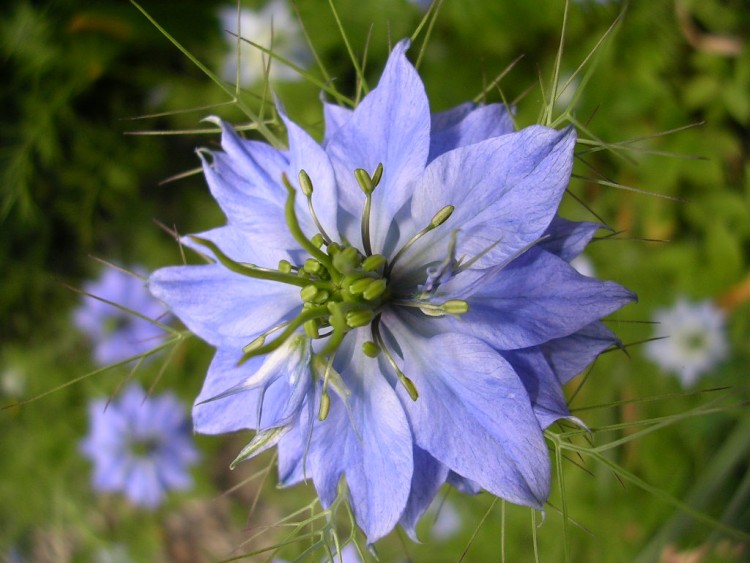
570 355
429 476
567 239
293 447
474 415
510 203
373 447
536 298
462 484
541 384
143 487
306 154
220 306
391 126
335 117
258 164
271 403
258 212
467 124
241 245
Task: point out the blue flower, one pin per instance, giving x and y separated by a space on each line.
394 305
141 446
116 333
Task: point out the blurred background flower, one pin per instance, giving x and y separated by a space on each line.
141 446
76 73
691 340
272 26
116 332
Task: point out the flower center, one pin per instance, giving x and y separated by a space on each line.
341 287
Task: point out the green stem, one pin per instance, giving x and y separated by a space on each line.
253 272
302 318
296 230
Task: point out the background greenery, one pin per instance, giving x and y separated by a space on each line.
74 183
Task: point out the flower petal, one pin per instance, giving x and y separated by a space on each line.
509 204
429 476
570 355
541 384
225 404
467 124
306 154
220 306
567 239
391 126
474 415
371 443
536 298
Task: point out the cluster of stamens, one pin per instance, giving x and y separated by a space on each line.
341 288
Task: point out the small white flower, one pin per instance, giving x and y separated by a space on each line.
695 339
273 27
583 265
447 520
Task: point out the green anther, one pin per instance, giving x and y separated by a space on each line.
311 328
285 267
372 263
325 406
363 179
359 318
442 216
359 286
312 266
321 297
305 183
247 270
377 175
347 260
351 278
333 249
455 307
408 385
318 240
370 349
254 345
375 289
291 326
308 293
294 228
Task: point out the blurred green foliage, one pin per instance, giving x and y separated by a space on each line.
74 183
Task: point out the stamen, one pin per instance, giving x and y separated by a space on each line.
249 270
306 186
325 399
367 186
370 349
405 381
296 230
439 218
306 315
451 307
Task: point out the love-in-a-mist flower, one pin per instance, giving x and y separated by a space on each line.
692 339
117 333
272 27
395 305
141 446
